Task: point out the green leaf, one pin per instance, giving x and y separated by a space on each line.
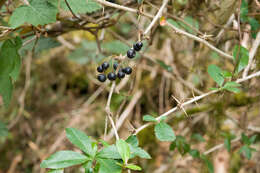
246 151
3 130
227 143
245 139
252 139
241 56
226 74
216 74
56 171
108 166
81 140
17 67
109 152
232 86
137 151
123 149
164 66
132 140
182 146
149 118
115 47
193 22
63 159
208 163
254 26
43 44
164 132
133 167
104 143
6 89
38 12
8 53
244 11
173 146
81 6
194 153
174 23
198 137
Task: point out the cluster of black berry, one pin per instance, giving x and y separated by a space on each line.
122 71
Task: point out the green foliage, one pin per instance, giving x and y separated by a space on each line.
81 140
109 152
10 64
191 21
149 118
240 55
64 159
164 132
194 153
198 137
56 171
188 19
164 66
132 140
3 130
227 141
133 167
181 144
123 149
246 150
108 166
108 159
208 163
38 12
115 47
81 6
85 53
232 86
246 19
216 74
243 11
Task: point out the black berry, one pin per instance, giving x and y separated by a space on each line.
115 65
105 65
131 53
100 69
120 74
111 76
138 46
102 77
127 70
112 1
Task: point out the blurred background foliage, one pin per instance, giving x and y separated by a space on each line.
61 78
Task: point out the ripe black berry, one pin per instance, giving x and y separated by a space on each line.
111 76
138 46
100 69
102 77
112 1
120 74
131 53
115 65
105 65
127 70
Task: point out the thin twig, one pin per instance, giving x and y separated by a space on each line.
252 53
109 112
